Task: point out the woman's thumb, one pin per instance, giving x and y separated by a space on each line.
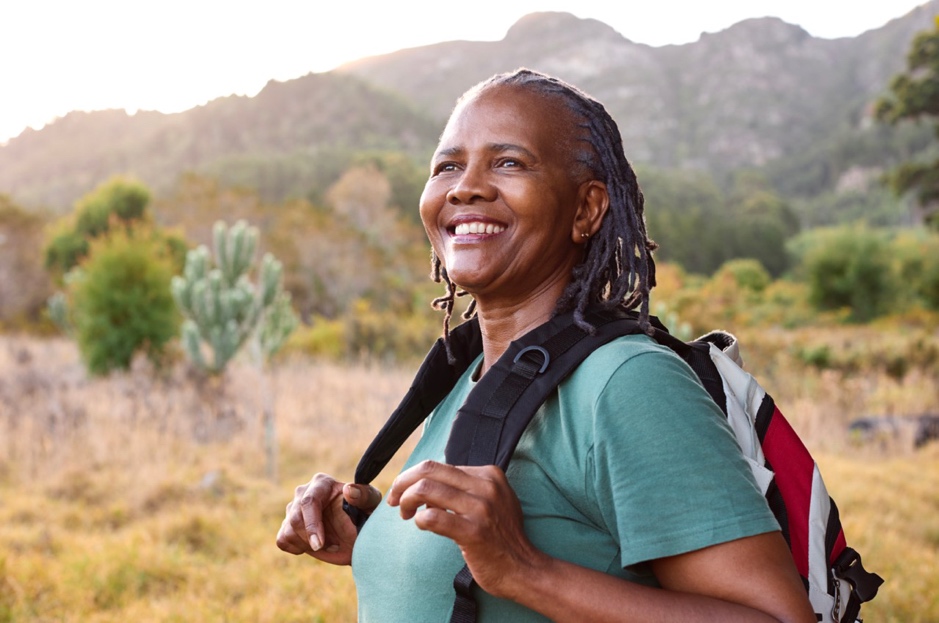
365 497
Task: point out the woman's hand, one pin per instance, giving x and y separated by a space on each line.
476 508
316 524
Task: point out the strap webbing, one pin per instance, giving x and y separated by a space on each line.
464 605
490 423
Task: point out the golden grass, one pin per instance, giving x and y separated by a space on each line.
143 497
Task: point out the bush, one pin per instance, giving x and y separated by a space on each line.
748 274
917 254
118 200
850 267
121 301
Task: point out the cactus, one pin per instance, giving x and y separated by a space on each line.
223 309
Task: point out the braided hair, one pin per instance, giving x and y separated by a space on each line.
617 270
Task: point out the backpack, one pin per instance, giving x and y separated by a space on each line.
490 423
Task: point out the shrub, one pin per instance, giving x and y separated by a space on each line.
850 267
118 200
748 274
121 301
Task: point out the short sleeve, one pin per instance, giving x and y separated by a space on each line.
666 471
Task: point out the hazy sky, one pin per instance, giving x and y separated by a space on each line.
62 55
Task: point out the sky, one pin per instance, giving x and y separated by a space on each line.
63 55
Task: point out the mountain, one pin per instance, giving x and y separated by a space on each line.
755 92
760 94
59 163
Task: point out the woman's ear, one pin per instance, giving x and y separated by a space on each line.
593 203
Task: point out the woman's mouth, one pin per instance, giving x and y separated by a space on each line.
477 227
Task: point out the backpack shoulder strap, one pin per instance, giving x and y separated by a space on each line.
433 381
490 423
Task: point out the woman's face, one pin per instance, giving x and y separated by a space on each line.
502 208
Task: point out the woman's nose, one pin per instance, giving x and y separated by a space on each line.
472 186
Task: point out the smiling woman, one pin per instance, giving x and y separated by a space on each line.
626 498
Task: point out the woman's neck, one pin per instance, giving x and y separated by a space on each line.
500 324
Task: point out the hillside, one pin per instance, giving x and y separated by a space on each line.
761 94
300 117
755 92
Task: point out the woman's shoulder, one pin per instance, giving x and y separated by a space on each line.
631 356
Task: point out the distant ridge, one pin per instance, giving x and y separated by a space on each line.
760 93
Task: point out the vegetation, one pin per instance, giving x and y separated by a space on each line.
115 267
117 504
914 96
223 309
24 284
159 471
120 301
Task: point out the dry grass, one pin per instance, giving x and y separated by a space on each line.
143 497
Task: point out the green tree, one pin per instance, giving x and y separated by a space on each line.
119 201
120 301
849 268
914 96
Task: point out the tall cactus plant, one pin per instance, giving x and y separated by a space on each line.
223 309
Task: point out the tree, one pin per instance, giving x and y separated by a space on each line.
914 96
850 268
115 267
119 200
120 301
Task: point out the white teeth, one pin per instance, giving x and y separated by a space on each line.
477 228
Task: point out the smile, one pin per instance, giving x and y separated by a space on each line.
476 227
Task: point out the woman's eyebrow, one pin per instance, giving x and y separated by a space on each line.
503 147
498 148
448 152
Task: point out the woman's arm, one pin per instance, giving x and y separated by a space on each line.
749 579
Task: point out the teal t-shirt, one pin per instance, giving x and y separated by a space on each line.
629 461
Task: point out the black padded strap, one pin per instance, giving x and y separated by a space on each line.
490 423
433 381
498 409
464 605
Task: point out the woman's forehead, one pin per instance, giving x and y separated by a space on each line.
513 111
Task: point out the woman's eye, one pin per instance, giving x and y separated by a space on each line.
444 167
509 163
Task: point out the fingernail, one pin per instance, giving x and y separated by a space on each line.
355 493
315 544
332 549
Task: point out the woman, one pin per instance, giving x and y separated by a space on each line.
622 502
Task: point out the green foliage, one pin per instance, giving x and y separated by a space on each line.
914 96
120 301
763 225
746 273
700 227
917 255
221 305
851 268
116 201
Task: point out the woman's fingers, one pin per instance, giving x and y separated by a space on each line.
313 499
289 541
365 497
469 479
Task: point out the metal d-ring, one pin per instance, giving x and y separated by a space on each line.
547 357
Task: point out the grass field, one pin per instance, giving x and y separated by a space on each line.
143 497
